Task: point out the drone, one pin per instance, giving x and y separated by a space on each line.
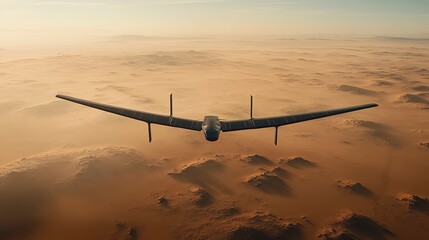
212 126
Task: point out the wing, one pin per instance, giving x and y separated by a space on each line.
254 123
139 115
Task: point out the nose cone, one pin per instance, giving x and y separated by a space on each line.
212 134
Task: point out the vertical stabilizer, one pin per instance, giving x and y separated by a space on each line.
171 105
251 107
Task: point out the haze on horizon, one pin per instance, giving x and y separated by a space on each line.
26 21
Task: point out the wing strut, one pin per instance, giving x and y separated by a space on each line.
251 107
150 132
276 135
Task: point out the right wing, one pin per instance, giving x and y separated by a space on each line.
139 115
254 123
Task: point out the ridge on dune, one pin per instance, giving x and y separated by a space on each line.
365 124
200 166
354 187
7 106
355 90
228 212
334 234
280 172
378 130
297 162
170 58
257 160
397 39
96 166
277 171
201 197
134 37
202 173
269 183
385 75
49 109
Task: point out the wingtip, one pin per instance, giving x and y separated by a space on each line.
60 96
65 97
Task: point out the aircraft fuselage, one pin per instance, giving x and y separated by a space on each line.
211 128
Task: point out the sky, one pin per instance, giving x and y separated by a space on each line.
213 17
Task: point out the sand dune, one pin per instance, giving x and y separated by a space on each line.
265 226
253 225
30 184
382 83
415 202
125 231
421 88
424 145
163 201
421 99
356 90
351 225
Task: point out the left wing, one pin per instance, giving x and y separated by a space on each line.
140 115
254 123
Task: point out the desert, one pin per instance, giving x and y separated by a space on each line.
71 172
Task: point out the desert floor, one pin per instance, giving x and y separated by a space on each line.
71 172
